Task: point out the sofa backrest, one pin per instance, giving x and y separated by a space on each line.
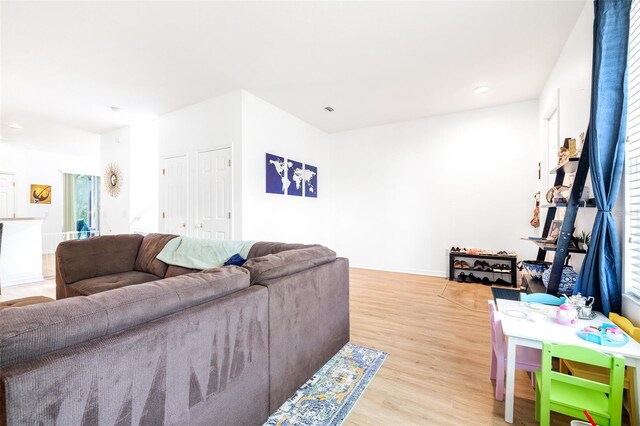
151 245
287 262
263 248
30 331
205 365
93 257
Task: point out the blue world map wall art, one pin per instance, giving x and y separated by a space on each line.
290 177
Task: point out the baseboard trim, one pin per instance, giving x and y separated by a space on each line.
28 280
426 272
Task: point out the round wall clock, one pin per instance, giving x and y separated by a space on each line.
112 179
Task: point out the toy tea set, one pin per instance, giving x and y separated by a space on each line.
574 308
580 307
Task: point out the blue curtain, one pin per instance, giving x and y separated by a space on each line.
601 271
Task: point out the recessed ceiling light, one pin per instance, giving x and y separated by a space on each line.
15 126
328 108
480 90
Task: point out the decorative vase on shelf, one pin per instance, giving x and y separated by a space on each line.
567 280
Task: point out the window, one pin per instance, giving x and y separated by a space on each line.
632 157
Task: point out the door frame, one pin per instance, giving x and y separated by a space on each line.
14 189
162 198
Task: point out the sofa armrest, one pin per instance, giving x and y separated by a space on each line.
287 262
308 324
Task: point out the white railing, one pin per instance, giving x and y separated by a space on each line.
50 244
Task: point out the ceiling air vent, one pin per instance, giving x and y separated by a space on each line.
329 109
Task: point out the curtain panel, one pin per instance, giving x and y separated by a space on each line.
69 208
601 271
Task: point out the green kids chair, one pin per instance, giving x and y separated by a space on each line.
571 395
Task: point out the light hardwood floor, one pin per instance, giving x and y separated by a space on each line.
437 335
41 288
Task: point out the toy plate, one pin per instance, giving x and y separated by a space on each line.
535 306
515 314
601 338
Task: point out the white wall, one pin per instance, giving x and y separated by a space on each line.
115 212
405 193
39 155
144 177
208 125
568 89
273 217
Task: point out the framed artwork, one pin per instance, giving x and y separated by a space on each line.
40 194
554 230
285 176
296 178
277 176
310 181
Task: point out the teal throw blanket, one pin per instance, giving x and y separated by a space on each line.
196 253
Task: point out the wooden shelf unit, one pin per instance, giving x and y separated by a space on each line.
561 249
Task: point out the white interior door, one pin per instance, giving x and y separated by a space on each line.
7 195
213 197
175 179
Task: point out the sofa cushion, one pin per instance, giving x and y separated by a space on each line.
109 254
35 330
109 282
151 245
263 248
25 301
174 271
287 262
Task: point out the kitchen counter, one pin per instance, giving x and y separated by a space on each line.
21 252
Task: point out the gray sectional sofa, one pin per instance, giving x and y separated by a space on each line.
142 342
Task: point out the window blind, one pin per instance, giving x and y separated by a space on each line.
632 175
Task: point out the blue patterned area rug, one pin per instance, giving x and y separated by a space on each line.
328 397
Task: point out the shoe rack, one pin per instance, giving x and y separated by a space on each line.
510 276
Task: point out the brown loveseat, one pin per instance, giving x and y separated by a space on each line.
222 346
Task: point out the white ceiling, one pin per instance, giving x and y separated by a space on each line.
374 62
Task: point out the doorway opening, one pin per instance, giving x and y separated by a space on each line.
81 205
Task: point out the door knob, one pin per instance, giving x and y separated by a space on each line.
200 226
183 225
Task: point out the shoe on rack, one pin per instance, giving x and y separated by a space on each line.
486 281
461 277
486 267
500 281
470 279
477 265
464 265
457 264
506 268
